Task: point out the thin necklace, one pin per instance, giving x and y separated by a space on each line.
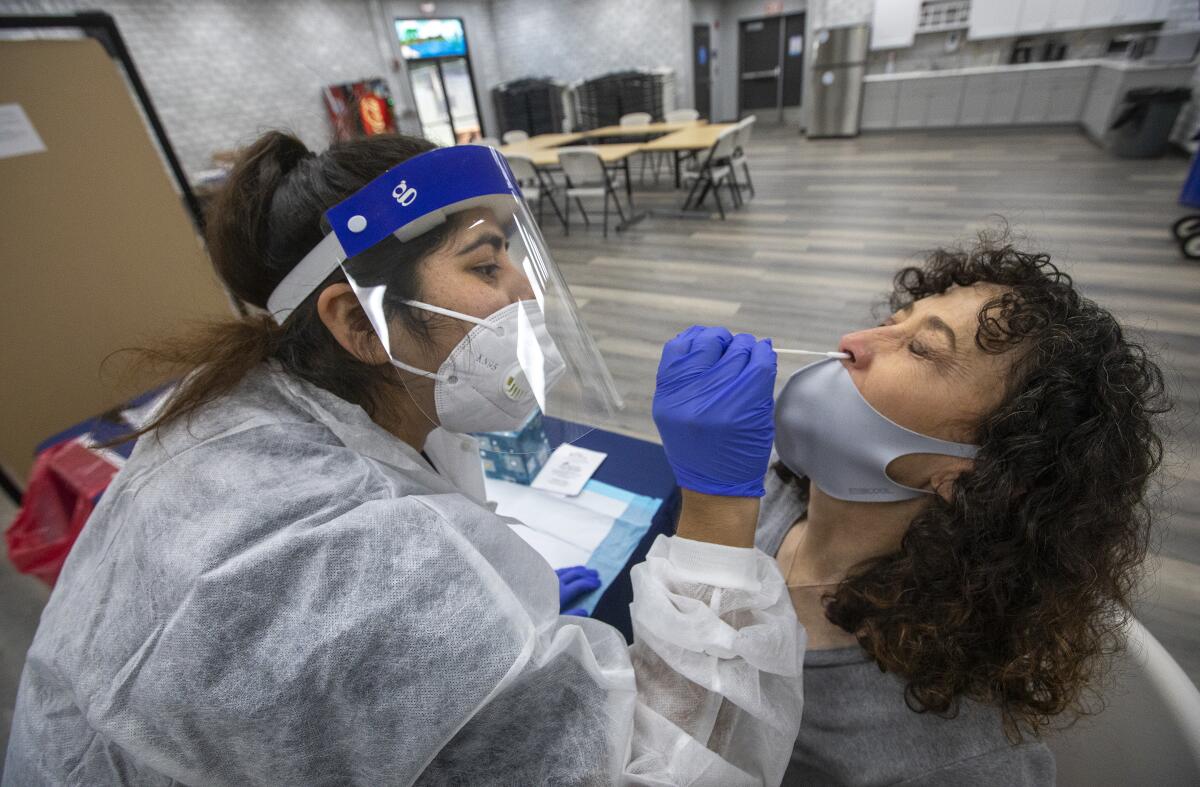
792 565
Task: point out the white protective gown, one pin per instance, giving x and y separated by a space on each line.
283 593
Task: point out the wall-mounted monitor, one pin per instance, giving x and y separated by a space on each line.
425 38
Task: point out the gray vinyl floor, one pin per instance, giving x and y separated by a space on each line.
812 254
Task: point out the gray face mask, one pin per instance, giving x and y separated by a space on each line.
825 430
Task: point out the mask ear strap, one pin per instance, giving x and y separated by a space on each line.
429 307
956 450
421 372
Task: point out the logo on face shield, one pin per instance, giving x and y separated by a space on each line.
403 194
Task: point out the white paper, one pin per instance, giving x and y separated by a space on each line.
568 469
558 553
550 514
18 137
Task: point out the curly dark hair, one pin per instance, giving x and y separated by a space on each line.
1013 593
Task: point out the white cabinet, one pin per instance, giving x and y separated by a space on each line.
1034 103
996 18
1101 98
913 103
945 99
879 105
1068 96
1054 96
1098 13
1061 95
1067 14
1036 16
999 18
894 23
1045 16
927 102
1004 94
1109 13
976 95
1136 11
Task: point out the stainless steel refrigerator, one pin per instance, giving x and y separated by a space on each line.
839 62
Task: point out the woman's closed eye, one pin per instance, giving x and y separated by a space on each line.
919 349
488 270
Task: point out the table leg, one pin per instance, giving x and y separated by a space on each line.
634 217
628 186
675 153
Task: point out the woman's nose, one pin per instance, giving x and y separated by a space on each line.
859 346
523 291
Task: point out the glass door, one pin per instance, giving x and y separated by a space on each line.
464 115
432 108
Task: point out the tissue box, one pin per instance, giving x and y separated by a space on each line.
515 456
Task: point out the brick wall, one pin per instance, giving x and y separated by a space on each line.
580 39
220 72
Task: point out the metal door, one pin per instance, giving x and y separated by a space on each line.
759 68
702 68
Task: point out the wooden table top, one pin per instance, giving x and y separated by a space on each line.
693 138
540 142
609 154
647 130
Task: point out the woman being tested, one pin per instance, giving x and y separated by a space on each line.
296 579
959 513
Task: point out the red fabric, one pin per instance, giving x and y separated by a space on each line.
66 482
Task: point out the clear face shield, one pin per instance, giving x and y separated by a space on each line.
453 274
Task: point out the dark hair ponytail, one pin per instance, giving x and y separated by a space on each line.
265 219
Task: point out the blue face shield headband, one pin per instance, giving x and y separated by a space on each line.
521 345
408 200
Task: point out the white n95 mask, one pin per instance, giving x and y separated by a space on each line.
483 385
827 431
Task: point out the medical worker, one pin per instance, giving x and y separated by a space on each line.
296 579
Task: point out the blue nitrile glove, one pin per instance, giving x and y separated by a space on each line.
573 583
714 406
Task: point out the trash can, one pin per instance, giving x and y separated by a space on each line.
1143 126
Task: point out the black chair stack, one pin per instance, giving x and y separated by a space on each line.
603 100
533 105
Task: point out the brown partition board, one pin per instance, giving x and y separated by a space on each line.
98 252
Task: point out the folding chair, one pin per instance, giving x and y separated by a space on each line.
674 116
535 185
740 143
587 177
638 119
714 171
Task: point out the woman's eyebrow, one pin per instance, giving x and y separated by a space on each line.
933 322
493 239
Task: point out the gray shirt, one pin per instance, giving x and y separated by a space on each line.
857 729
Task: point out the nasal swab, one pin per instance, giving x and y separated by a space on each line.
844 356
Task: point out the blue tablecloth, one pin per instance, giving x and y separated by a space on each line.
640 467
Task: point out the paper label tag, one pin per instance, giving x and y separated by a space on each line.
18 137
568 470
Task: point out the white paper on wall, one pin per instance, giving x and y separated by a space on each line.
18 137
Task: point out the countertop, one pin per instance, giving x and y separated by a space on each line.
1118 65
